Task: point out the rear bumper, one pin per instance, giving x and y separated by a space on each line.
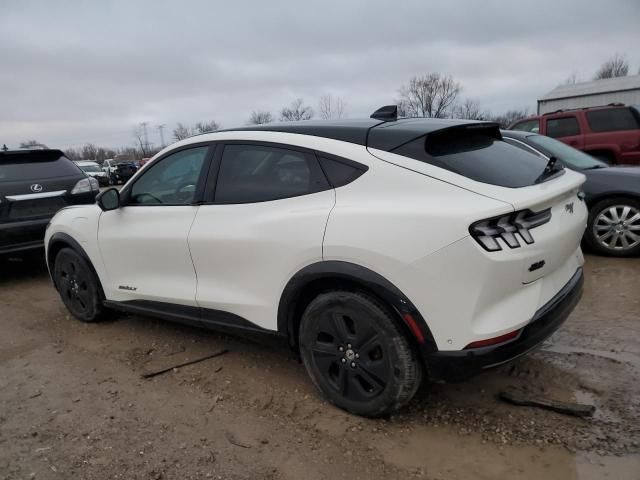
457 365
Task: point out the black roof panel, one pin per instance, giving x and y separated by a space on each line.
369 132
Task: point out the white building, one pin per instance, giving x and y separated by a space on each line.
592 94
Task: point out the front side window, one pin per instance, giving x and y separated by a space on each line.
610 120
256 173
527 126
562 127
171 181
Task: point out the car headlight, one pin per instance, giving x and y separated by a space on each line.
85 185
508 228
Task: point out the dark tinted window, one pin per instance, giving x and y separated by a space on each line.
562 127
255 173
612 119
478 155
340 173
172 180
527 126
35 165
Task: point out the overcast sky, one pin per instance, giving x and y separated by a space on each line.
73 72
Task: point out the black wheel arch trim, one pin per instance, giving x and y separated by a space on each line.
66 240
368 280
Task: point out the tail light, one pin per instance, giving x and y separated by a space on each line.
508 229
85 185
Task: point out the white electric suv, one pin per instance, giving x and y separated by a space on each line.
386 251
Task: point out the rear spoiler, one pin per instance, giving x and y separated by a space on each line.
26 155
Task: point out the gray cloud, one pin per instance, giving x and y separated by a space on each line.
74 72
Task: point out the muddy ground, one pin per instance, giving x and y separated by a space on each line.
73 403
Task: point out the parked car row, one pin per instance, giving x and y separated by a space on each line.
349 239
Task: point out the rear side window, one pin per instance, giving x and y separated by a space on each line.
478 154
612 119
256 173
527 126
562 127
35 165
340 173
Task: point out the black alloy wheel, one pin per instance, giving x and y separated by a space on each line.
356 354
77 285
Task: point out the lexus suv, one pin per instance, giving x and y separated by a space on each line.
385 251
34 185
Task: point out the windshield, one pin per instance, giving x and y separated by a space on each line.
566 154
90 168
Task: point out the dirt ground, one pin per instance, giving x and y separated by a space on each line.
73 403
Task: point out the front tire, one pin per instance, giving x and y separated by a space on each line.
78 286
356 354
613 227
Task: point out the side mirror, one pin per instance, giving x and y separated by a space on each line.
109 199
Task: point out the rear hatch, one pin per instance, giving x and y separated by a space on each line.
34 184
474 157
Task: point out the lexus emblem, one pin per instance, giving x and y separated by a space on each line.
569 207
36 187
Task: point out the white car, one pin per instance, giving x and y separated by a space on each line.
385 250
92 169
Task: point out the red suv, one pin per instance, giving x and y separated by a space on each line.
610 133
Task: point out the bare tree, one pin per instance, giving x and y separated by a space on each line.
181 132
139 135
297 111
260 118
206 127
507 118
432 95
30 143
89 152
331 107
616 66
469 110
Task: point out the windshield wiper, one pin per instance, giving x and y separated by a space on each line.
550 169
594 167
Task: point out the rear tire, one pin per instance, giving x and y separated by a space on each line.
356 354
613 227
78 286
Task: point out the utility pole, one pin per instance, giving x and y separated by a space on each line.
146 137
160 129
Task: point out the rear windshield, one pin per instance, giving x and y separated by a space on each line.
479 154
35 165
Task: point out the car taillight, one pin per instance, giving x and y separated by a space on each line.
85 185
508 229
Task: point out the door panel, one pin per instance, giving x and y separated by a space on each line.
145 248
246 253
144 243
